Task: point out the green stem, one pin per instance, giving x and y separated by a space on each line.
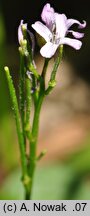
28 105
22 92
44 73
52 81
45 68
27 195
57 63
33 70
18 122
34 138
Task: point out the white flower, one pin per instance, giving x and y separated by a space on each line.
55 31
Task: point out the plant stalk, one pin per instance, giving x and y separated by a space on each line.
33 144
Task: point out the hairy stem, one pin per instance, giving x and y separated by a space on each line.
18 122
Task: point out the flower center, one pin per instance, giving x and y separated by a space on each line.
54 38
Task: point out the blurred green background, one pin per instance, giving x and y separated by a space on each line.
64 173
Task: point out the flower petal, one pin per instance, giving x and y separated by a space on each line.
20 34
70 22
41 29
48 16
61 24
76 44
76 34
48 50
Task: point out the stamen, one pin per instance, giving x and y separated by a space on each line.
54 38
54 27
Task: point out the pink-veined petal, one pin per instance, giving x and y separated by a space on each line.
61 24
70 22
76 44
48 16
48 50
42 30
76 34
